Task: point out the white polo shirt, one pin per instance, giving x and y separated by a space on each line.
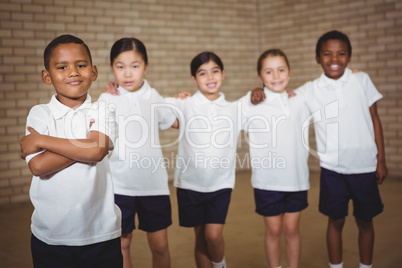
75 206
342 121
275 136
137 162
207 147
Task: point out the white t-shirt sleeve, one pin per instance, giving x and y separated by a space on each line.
104 119
245 103
165 113
371 92
176 106
37 119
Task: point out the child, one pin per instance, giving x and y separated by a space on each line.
75 222
139 187
205 171
350 145
280 176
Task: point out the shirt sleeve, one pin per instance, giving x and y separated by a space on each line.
245 103
104 119
176 106
37 119
371 92
166 116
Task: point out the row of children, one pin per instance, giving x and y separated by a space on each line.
85 201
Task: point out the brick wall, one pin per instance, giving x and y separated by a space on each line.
174 31
375 30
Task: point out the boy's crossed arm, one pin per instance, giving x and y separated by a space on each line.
61 153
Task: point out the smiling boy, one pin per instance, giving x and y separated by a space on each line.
75 222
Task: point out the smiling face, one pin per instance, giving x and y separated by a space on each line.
208 79
71 73
129 70
334 58
274 73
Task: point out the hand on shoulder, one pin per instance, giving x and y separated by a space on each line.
111 88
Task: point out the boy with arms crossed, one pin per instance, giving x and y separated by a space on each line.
75 222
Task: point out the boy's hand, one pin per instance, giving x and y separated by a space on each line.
182 95
381 172
257 95
29 143
111 88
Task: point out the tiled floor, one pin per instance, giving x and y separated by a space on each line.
244 233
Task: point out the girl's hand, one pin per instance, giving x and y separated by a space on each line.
355 71
29 143
257 95
381 172
111 88
182 95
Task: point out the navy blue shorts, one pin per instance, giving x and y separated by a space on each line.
337 189
196 208
100 255
154 212
272 203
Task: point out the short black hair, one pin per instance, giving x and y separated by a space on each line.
333 35
204 57
62 39
128 44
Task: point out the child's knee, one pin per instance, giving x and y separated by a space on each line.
214 238
364 224
336 223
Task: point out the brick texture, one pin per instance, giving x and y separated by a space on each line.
174 31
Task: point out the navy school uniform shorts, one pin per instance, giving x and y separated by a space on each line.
154 212
105 254
197 208
273 203
337 189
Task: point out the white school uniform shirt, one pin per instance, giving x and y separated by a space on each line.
342 121
208 138
275 129
75 206
137 162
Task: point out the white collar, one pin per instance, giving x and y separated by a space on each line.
272 96
144 92
59 110
325 81
200 99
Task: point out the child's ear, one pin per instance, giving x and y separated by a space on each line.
318 60
194 80
94 73
46 77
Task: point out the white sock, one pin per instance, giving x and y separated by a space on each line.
365 266
336 265
221 264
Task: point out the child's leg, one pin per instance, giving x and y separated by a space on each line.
158 243
366 241
215 241
291 222
202 258
125 249
334 240
273 229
